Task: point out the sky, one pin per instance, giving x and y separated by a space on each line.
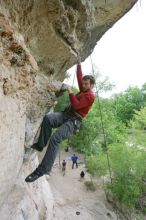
121 52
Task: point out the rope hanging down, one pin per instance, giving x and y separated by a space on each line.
102 125
104 136
101 118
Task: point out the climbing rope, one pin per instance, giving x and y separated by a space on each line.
103 130
102 124
104 137
101 118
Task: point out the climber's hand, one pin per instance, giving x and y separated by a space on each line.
64 87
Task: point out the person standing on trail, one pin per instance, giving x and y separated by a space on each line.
63 167
67 122
74 159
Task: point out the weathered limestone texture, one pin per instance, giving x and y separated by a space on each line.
39 41
32 202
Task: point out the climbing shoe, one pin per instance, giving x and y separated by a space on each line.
35 147
33 176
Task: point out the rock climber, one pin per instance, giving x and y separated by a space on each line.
67 122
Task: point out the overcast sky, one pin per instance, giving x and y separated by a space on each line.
121 53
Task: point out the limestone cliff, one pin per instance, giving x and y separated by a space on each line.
39 41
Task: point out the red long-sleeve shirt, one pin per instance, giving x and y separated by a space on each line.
82 102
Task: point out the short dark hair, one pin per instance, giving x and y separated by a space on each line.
89 77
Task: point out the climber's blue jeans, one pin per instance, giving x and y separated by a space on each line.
66 127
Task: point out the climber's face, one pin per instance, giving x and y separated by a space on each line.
86 85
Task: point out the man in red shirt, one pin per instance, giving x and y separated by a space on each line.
67 122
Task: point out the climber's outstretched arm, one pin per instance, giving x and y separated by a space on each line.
79 76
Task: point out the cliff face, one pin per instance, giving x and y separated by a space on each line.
39 41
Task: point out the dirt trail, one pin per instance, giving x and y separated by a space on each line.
71 195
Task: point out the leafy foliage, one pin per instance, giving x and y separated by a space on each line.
128 167
129 101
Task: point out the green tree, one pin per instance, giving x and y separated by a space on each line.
137 128
127 102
